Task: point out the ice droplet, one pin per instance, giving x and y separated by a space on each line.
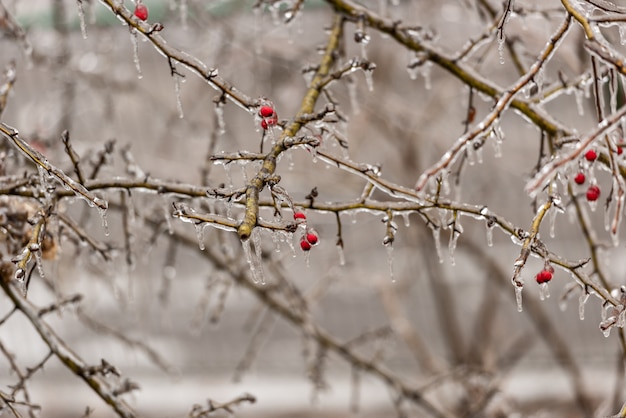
518 297
81 18
133 40
582 300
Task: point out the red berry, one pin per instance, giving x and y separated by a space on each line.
619 150
305 245
580 178
591 155
299 215
266 123
593 193
544 276
141 11
312 238
266 111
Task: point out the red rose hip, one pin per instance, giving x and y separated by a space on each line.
299 216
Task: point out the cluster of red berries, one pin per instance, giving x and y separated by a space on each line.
593 192
268 116
141 11
545 275
310 237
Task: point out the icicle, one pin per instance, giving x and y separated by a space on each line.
48 185
407 220
478 146
229 175
552 220
81 18
613 92
289 240
179 102
425 73
390 262
578 94
582 300
200 234
604 311
103 215
183 13
167 215
544 291
133 40
618 210
352 94
342 255
501 41
275 12
622 33
518 297
276 241
256 241
250 259
470 153
38 260
244 173
490 234
369 79
219 113
456 230
437 239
